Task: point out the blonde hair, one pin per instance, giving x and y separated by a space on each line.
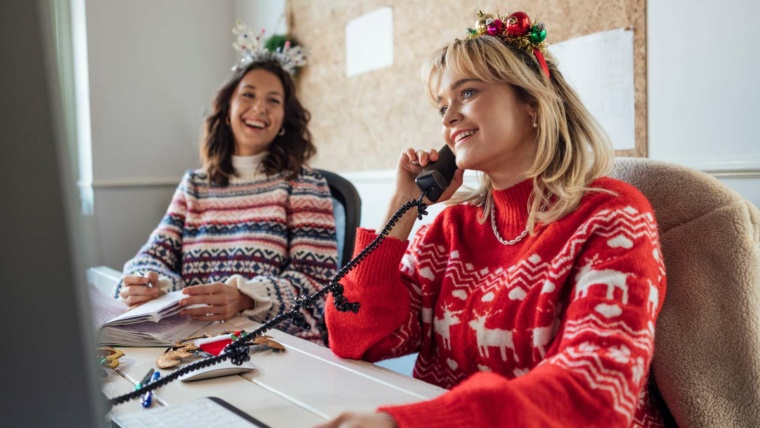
572 149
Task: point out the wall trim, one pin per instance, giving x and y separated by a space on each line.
125 183
722 169
716 169
389 175
734 174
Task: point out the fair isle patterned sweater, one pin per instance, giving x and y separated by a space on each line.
272 238
557 330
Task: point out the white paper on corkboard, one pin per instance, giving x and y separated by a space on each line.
369 42
600 68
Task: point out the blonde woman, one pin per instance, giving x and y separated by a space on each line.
533 299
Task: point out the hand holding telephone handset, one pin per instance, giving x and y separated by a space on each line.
436 176
433 180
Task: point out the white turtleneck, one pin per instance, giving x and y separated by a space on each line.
247 166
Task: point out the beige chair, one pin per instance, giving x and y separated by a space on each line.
707 345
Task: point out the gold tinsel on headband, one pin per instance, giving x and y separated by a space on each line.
515 29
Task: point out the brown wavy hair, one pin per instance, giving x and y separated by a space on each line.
288 152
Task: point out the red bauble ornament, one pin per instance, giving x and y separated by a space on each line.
518 24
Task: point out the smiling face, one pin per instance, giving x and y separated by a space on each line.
487 126
256 112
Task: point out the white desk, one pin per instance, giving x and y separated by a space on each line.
303 386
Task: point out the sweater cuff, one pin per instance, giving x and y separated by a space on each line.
385 259
439 412
259 289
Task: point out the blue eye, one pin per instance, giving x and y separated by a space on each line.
467 93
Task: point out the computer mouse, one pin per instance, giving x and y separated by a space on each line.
225 368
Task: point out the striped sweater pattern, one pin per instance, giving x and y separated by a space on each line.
278 234
557 330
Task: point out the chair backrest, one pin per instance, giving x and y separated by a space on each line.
707 346
347 207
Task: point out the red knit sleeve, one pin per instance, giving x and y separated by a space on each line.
388 322
595 371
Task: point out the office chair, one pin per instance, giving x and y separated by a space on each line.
347 207
707 345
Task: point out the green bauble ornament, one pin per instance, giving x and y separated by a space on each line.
538 36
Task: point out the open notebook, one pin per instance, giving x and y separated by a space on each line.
154 323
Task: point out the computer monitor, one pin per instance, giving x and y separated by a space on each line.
48 366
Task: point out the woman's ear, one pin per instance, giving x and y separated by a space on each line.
533 113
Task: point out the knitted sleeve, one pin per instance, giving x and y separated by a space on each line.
312 257
390 321
595 371
163 251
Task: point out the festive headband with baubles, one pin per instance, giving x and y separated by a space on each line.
515 29
252 49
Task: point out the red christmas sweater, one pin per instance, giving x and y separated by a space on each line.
557 330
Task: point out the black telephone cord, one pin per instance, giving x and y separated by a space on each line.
238 351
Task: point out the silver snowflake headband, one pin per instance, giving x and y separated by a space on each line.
252 49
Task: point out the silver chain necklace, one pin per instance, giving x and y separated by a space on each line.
496 231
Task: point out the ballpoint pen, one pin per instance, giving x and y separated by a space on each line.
145 379
147 398
148 284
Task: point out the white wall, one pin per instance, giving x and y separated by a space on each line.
704 88
266 14
153 69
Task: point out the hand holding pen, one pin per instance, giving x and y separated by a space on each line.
138 289
147 398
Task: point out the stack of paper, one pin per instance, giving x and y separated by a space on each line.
154 323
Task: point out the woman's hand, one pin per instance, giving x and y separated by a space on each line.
410 164
221 301
361 420
136 290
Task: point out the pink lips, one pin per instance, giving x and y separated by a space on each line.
256 128
457 133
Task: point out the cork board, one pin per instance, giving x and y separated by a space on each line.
364 122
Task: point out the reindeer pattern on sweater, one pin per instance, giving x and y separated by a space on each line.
568 311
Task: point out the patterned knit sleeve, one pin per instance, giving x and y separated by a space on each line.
312 257
387 285
163 251
596 368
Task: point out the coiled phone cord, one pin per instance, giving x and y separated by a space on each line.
237 351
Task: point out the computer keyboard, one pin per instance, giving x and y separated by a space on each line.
202 412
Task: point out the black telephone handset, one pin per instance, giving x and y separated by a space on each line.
436 176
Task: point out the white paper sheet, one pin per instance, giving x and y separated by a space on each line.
104 307
600 68
369 42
